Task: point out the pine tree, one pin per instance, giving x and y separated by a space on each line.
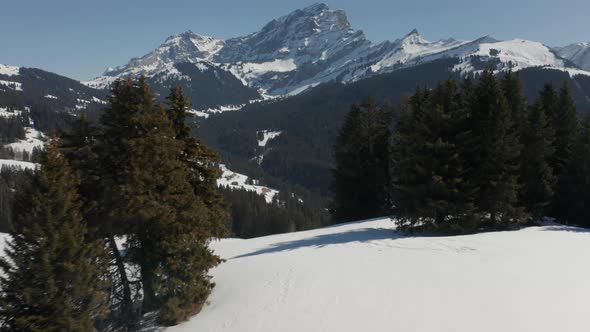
203 163
361 155
167 225
565 125
428 180
537 176
578 177
512 89
548 97
495 159
53 276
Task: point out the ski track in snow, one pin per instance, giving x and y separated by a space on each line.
366 277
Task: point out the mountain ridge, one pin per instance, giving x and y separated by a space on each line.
317 44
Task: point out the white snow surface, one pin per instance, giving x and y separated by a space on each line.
366 277
9 113
33 139
267 135
12 85
9 70
17 164
233 180
578 53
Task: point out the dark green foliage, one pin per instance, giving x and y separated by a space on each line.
147 185
11 179
495 153
537 178
456 156
577 209
564 121
202 162
252 216
512 89
361 155
429 184
53 276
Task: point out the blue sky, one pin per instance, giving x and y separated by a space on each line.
79 39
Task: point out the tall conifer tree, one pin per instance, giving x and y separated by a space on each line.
203 163
497 152
361 155
565 124
53 275
537 178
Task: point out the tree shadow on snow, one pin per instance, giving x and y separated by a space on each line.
563 228
320 241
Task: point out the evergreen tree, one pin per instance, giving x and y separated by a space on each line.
429 184
203 163
512 89
167 225
565 125
578 177
548 97
53 277
495 155
361 154
537 176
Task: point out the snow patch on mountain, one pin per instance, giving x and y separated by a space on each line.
17 164
233 180
17 86
267 135
5 112
9 70
33 140
578 53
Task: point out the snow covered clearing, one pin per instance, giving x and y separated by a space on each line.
12 85
233 180
33 139
366 277
267 135
9 70
6 113
221 109
17 164
48 96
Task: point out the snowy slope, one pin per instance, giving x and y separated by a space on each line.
578 53
17 164
365 277
237 181
33 139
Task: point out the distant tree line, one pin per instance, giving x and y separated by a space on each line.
252 216
461 158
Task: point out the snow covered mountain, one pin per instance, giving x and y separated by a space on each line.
316 44
578 53
365 276
22 88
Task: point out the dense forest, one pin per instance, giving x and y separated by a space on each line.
461 158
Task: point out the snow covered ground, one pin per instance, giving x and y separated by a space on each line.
366 277
233 180
33 139
17 164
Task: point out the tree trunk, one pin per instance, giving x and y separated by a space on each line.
127 304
